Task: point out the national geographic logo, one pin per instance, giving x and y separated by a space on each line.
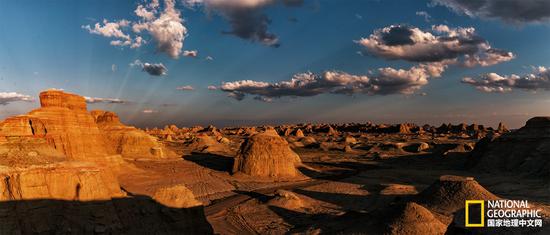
475 213
501 213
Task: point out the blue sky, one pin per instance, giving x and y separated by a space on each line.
43 45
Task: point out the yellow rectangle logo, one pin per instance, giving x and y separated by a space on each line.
467 206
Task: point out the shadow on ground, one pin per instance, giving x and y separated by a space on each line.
130 215
211 161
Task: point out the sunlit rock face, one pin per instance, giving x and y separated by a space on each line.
63 122
64 181
66 126
127 140
60 99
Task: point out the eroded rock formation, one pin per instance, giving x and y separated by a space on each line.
128 141
64 124
524 152
267 155
58 175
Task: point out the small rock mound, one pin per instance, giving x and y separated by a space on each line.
299 133
287 199
449 193
267 155
308 141
177 196
350 140
411 219
203 143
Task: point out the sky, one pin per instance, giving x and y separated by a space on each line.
251 62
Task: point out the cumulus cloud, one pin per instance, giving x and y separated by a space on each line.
539 79
212 88
9 97
440 43
511 11
386 81
155 69
193 53
246 17
152 69
96 100
111 30
185 88
165 27
488 58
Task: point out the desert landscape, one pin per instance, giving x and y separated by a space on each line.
66 169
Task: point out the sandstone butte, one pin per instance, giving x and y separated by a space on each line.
64 123
60 155
267 155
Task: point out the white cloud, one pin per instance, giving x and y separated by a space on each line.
427 17
165 27
152 69
155 69
96 100
185 88
193 53
398 42
168 30
112 30
149 111
490 57
212 88
9 97
386 81
511 11
539 79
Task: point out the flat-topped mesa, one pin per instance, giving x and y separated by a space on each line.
61 99
67 126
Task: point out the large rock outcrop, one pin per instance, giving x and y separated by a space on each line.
267 155
64 126
63 122
524 152
58 167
